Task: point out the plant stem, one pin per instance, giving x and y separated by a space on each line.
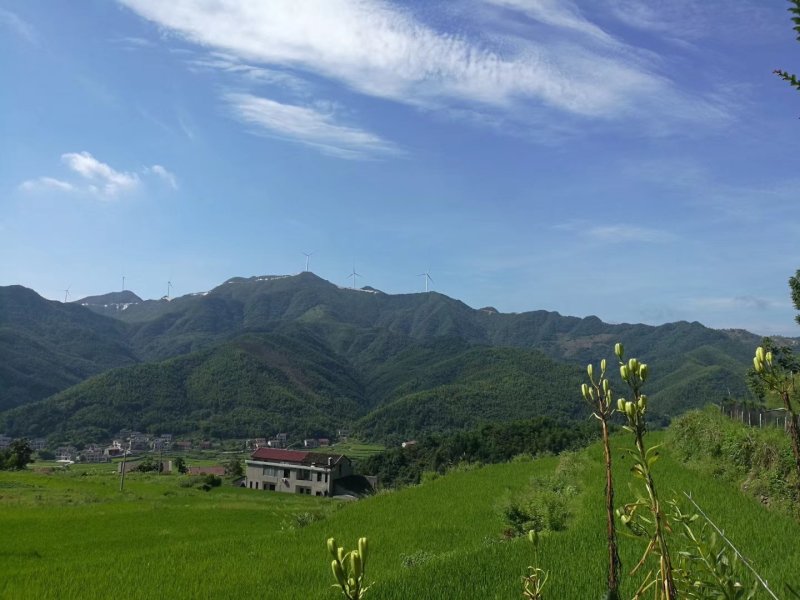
611 531
658 518
794 434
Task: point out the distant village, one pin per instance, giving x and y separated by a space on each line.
134 442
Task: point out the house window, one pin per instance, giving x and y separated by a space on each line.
270 471
304 475
286 473
256 485
271 487
319 478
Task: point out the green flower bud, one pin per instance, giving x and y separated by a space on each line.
606 387
589 370
362 549
332 547
621 405
760 354
758 365
340 555
623 372
643 371
642 402
633 365
768 358
585 391
618 350
355 564
603 365
630 410
338 572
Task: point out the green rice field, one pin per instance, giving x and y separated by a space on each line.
72 534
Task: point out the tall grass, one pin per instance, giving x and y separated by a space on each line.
73 536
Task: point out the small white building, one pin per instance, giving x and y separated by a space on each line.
296 472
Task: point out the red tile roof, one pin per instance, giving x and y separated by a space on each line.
297 456
281 455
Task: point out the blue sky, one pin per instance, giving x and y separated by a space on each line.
630 159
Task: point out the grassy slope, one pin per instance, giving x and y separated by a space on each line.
67 536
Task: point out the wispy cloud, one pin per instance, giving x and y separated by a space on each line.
558 13
381 50
165 175
18 25
96 178
45 183
309 126
737 302
617 233
629 233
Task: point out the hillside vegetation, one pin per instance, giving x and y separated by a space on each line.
384 364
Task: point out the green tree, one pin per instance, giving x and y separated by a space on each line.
789 77
180 465
233 468
16 456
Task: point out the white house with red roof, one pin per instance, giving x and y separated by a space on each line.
296 472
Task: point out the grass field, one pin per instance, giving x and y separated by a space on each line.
73 535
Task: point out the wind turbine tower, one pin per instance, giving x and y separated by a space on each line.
66 293
354 275
428 278
123 283
308 257
169 287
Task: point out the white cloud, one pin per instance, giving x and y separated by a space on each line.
737 302
164 174
382 50
96 178
616 233
21 27
309 126
558 13
105 180
45 183
628 233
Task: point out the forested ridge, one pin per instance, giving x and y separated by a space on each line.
296 353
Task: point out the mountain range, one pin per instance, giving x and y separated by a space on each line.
259 355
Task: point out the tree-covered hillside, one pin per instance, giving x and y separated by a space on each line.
394 364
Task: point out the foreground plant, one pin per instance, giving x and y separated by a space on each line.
598 395
777 373
655 525
533 583
348 568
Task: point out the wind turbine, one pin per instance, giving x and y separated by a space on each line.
427 276
354 275
66 293
123 283
308 256
169 287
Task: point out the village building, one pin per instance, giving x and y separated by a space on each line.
93 454
311 443
296 472
38 444
66 453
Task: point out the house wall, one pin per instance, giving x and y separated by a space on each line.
271 476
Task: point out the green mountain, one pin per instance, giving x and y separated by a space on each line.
298 353
48 346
